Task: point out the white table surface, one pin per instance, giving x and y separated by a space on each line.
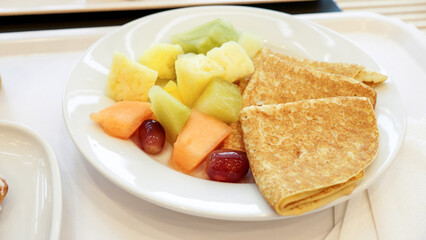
34 67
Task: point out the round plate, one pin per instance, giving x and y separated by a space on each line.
32 208
126 165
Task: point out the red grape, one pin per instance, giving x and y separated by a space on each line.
151 136
227 165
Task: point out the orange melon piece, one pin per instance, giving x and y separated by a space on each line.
123 118
200 135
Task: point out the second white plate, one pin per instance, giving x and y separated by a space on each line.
126 165
32 208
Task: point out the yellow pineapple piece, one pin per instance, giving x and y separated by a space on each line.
172 89
193 73
161 82
129 80
161 58
233 59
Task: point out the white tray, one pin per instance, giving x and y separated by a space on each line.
35 65
24 7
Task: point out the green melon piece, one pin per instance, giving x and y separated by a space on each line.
171 113
206 36
221 99
251 43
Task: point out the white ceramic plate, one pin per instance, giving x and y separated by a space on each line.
32 208
126 165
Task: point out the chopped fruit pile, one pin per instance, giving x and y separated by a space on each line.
188 87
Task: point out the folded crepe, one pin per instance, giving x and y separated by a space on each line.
355 71
280 81
307 153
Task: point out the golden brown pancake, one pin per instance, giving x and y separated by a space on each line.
305 154
277 81
356 71
235 138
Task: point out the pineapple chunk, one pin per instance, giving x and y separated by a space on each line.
206 36
193 73
129 80
172 89
161 82
171 113
234 60
161 58
221 99
251 43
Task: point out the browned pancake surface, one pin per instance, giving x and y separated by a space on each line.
308 145
277 81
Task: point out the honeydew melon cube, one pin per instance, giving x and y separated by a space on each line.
206 36
129 80
170 112
234 60
251 43
221 99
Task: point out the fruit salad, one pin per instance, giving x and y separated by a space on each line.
184 92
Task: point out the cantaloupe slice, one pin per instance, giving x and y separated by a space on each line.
123 118
200 135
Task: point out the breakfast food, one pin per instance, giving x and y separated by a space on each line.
193 73
151 136
220 99
251 43
277 81
171 113
171 88
306 129
230 55
201 135
129 80
227 165
122 118
354 71
161 57
3 189
203 38
300 152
